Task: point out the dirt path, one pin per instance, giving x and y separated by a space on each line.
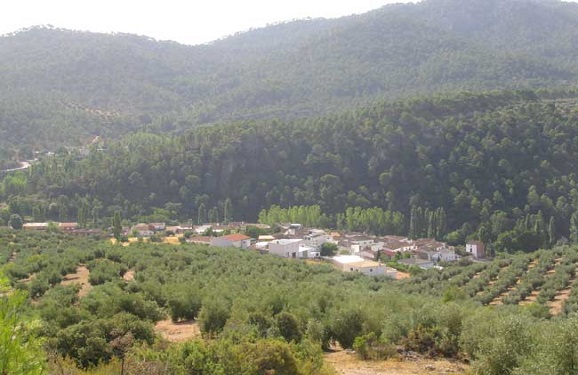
349 364
178 332
80 277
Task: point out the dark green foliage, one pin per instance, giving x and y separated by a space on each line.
491 166
116 225
288 327
184 303
213 316
16 221
104 270
328 249
346 326
290 70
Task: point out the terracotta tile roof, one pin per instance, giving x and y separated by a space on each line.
236 237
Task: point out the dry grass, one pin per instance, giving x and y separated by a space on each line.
345 363
178 332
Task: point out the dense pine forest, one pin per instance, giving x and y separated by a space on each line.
496 167
63 88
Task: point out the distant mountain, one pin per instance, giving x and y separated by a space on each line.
61 87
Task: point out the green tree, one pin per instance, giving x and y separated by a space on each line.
20 351
116 225
213 316
288 327
16 222
347 325
227 211
328 249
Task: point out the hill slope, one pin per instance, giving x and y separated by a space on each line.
499 166
61 86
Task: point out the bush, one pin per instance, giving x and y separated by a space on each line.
368 347
347 326
213 316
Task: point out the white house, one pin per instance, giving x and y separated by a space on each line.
316 238
233 240
446 255
436 254
421 263
361 245
354 263
476 248
308 252
287 248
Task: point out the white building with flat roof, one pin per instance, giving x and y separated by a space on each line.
286 248
354 263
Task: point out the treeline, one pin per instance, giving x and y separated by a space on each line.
494 166
355 219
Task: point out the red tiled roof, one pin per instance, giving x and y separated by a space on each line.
236 237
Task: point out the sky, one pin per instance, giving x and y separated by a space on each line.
184 21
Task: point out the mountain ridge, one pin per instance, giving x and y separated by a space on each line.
290 70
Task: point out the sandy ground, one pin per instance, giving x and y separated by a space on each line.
347 364
128 276
80 277
558 302
178 332
402 275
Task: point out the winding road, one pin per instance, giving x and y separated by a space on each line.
23 165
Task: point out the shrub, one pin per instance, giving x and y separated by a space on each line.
368 347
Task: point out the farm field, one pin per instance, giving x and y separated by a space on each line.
164 300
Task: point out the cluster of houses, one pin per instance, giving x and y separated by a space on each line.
364 253
71 227
359 252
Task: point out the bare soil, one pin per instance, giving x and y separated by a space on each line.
80 277
346 363
558 302
402 275
128 276
178 332
531 298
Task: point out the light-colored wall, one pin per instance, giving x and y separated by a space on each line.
284 249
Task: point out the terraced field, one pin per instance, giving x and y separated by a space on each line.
545 278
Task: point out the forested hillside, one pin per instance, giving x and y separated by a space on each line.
495 166
62 87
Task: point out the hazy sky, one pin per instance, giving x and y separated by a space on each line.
185 21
